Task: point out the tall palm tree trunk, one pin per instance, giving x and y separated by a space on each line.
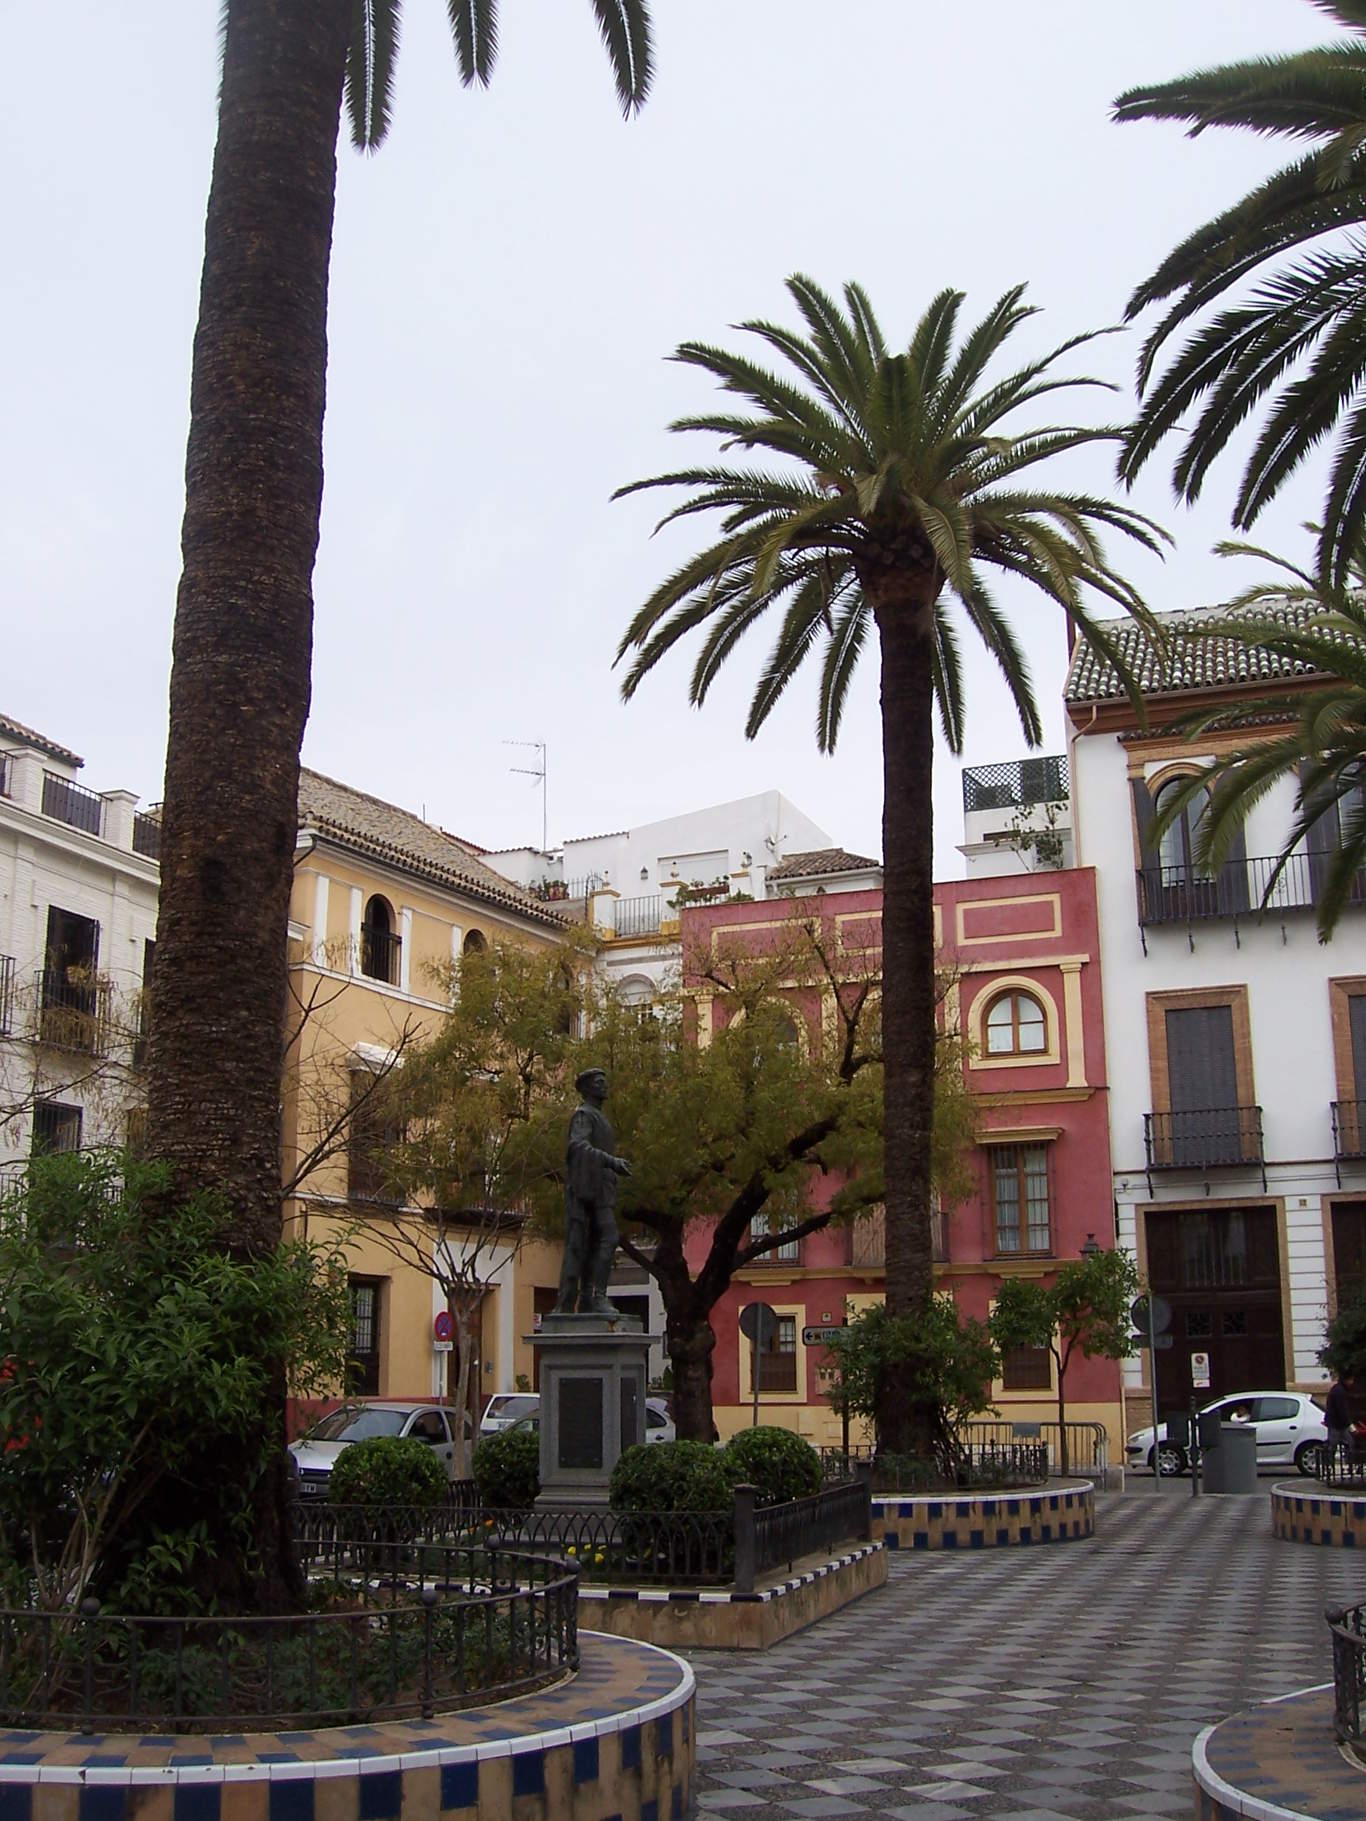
908 997
241 665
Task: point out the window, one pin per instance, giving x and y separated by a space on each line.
475 943
778 1360
1206 1124
786 1253
56 1127
1016 1026
1026 1369
428 1426
1020 1187
362 1366
1179 847
71 996
380 945
376 1128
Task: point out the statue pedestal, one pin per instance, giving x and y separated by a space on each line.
593 1377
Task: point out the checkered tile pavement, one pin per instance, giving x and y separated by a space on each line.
1054 1684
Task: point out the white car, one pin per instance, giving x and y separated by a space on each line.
659 1425
315 1452
1290 1432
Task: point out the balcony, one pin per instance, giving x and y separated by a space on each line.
1204 1138
1190 894
1016 785
147 835
72 804
380 955
1349 1129
6 994
639 916
73 1010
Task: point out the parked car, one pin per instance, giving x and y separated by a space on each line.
316 1451
505 1408
659 1424
1289 1425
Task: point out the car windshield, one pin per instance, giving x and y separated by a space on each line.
356 1425
516 1406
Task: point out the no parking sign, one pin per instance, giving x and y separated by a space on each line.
1200 1371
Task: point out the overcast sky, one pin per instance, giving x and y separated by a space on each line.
508 275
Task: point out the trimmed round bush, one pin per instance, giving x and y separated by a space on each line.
777 1463
387 1470
671 1476
507 1469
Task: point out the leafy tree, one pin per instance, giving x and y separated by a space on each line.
1344 1350
240 680
888 485
1084 1310
1319 742
952 1358
1293 347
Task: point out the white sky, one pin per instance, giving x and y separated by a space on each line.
508 274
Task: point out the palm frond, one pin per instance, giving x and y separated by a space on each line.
624 27
474 28
842 651
370 60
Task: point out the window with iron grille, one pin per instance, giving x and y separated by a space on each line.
362 1373
1019 1177
56 1127
778 1360
376 1128
1026 1369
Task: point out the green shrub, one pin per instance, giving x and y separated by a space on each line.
779 1464
671 1476
507 1469
388 1470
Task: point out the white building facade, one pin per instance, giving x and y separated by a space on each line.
1234 1037
78 906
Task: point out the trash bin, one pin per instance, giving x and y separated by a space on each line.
1231 1466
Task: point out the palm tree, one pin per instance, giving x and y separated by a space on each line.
1318 632
239 692
898 485
1294 346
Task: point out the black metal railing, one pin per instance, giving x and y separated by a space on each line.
73 1010
4 774
147 835
990 1454
773 1536
483 1625
6 994
1203 1138
1194 894
72 803
380 954
1341 1464
1016 784
1347 1628
639 916
1349 1128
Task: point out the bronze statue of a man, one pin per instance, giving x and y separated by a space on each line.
590 1194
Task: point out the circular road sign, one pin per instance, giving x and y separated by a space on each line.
1162 1314
444 1325
758 1323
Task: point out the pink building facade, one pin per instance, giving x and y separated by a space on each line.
1022 952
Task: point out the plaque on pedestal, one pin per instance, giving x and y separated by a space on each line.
592 1373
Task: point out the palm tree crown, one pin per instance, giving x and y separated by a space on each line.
623 25
889 486
899 484
1295 344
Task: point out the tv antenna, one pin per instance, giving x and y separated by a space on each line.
538 773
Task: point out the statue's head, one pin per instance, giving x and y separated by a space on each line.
592 1084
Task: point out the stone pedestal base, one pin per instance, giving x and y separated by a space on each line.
592 1375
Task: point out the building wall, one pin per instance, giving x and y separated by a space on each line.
1037 933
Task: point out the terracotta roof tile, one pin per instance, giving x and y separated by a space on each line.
821 863
1184 663
15 730
372 826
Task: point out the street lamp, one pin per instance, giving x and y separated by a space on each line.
1090 1248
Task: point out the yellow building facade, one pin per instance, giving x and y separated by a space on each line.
383 904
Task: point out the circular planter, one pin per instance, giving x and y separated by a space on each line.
1309 1513
986 1520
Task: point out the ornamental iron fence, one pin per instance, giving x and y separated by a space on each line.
1347 1628
639 916
1198 1138
72 803
1342 1464
1016 783
483 1625
147 834
771 1536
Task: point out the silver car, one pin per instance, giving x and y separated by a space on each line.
315 1453
1289 1425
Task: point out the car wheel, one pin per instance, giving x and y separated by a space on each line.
1309 1459
1167 1459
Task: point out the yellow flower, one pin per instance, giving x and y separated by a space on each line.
571 1550
599 1557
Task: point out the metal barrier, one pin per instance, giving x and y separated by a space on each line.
474 1624
1347 1626
768 1536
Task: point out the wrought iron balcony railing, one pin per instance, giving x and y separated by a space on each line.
72 803
73 1010
639 916
1016 784
380 955
147 835
1349 1128
6 994
1203 1138
1194 894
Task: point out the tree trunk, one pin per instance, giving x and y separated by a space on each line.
240 680
905 622
691 1344
1063 1460
462 1316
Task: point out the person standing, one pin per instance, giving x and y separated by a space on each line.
1337 1414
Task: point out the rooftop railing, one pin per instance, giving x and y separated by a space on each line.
1016 784
72 803
147 835
639 916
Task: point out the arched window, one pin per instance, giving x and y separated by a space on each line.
1016 1026
380 946
475 943
787 1034
1179 848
